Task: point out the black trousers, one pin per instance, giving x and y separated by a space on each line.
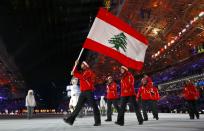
193 109
124 101
152 105
155 109
86 96
109 105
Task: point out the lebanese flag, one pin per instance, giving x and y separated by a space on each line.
112 37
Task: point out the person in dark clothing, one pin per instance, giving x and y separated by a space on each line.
86 78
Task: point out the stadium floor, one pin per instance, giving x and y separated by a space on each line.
167 122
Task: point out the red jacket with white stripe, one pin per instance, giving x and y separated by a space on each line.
127 85
112 91
86 79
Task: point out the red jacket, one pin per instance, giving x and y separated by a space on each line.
190 92
154 93
86 79
112 91
145 91
127 85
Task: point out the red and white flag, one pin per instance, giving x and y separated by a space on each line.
112 37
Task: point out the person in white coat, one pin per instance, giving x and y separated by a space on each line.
30 103
103 106
73 91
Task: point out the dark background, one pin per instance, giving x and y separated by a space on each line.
44 37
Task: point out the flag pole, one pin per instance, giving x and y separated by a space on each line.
77 60
90 19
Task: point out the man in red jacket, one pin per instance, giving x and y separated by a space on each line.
145 92
86 78
127 94
112 97
191 95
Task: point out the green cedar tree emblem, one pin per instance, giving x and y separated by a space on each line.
119 41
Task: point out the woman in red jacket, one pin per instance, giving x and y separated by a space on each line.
112 97
145 95
155 97
191 95
86 78
148 95
127 95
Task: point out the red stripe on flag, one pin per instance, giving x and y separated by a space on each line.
118 23
95 46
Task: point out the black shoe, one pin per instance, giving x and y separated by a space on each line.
68 121
145 119
157 118
97 124
141 123
108 120
192 118
121 124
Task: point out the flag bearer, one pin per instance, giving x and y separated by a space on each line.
86 78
